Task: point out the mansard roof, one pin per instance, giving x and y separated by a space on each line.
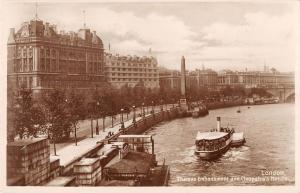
39 29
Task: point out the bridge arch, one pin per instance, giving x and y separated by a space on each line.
290 98
283 94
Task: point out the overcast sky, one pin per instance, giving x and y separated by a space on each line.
218 35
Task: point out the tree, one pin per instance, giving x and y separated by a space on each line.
227 91
26 116
273 70
76 110
105 108
112 110
262 92
58 122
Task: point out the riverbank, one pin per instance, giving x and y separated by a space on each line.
236 103
71 154
219 105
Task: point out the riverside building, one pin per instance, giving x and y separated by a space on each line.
170 79
131 70
41 58
256 79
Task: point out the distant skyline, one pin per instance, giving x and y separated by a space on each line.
218 35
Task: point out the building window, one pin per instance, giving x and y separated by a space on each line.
47 65
30 52
24 52
42 52
30 64
30 82
24 64
47 53
53 53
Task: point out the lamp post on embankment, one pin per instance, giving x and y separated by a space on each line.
92 109
143 109
122 120
97 113
173 101
152 111
133 120
92 130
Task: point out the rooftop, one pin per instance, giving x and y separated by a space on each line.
210 135
87 161
133 162
24 142
39 29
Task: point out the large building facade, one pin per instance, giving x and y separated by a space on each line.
131 71
40 58
256 79
170 79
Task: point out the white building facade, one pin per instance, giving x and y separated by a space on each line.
131 71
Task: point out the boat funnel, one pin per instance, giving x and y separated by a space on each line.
218 123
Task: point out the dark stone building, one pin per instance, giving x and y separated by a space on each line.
40 58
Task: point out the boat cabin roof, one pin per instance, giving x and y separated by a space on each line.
210 135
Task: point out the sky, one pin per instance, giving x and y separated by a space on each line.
217 35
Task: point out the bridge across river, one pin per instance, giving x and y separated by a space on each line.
284 93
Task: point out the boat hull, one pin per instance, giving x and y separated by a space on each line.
238 143
211 155
200 113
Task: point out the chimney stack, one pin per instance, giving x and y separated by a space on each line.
54 28
11 37
218 123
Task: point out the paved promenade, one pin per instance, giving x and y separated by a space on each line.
71 151
84 126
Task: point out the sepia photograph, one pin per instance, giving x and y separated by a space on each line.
177 94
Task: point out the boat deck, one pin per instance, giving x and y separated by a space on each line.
210 135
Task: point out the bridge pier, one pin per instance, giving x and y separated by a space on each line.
282 93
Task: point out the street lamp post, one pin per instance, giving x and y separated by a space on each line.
143 110
97 124
161 105
152 107
103 122
147 109
133 120
91 117
92 131
122 121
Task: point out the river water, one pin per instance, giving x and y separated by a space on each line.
266 159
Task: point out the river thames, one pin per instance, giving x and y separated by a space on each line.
266 159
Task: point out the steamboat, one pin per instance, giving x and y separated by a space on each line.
212 144
199 111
